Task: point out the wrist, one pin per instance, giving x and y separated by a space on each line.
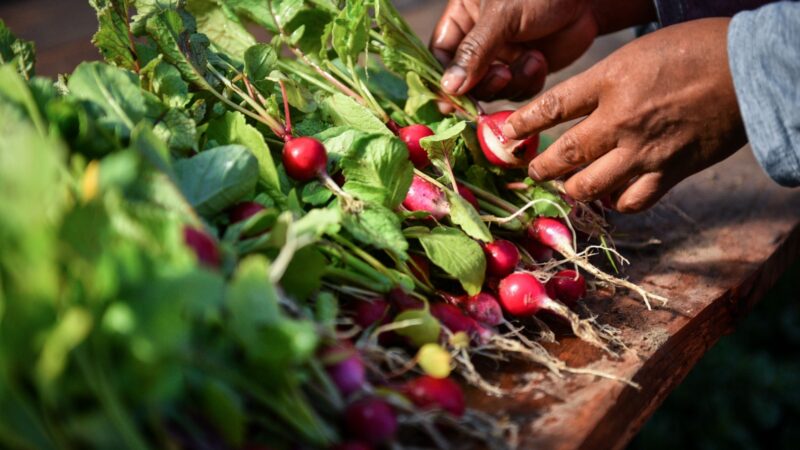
615 15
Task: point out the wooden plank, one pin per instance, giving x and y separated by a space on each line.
728 233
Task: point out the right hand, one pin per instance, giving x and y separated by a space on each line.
504 48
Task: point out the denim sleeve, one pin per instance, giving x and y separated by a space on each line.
764 56
671 12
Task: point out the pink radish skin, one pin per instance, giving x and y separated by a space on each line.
522 295
403 301
538 251
498 149
371 420
345 369
425 196
502 257
411 135
427 392
304 158
203 245
452 318
468 196
567 286
368 313
484 308
352 445
420 268
243 211
552 233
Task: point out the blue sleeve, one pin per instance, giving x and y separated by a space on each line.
764 56
671 12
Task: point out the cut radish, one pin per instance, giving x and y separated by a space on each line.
498 149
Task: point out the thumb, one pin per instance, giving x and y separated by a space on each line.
473 58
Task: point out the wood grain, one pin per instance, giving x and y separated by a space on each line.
728 234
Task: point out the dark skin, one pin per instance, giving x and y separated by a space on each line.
657 110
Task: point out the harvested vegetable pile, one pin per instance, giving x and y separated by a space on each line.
209 242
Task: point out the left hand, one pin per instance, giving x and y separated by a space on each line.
659 109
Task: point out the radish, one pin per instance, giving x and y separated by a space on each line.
304 158
411 135
568 286
484 308
403 301
555 234
468 196
345 368
452 318
502 257
243 211
522 295
425 196
498 149
203 245
371 420
368 313
352 445
538 251
420 267
427 392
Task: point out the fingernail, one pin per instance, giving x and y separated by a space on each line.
453 79
533 174
509 131
532 65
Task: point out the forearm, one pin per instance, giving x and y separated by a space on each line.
671 12
764 56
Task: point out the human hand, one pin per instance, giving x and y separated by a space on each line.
504 48
659 109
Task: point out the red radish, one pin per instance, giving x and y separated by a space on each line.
411 135
500 150
452 318
368 313
371 420
420 267
425 196
502 257
522 295
345 368
203 245
484 308
538 251
352 445
243 211
427 392
552 233
468 196
304 158
403 301
568 286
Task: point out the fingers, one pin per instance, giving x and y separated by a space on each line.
580 145
570 99
568 44
455 23
497 78
528 75
472 59
644 192
607 174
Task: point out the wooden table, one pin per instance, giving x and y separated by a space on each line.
728 233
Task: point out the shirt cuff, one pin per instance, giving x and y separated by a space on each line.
765 62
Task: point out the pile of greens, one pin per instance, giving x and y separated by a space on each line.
138 311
